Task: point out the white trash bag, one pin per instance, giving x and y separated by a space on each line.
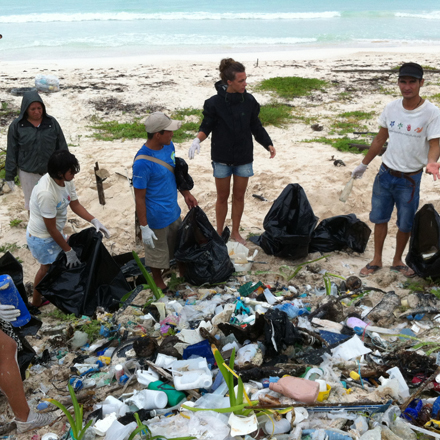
47 83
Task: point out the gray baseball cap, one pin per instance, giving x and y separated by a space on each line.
159 121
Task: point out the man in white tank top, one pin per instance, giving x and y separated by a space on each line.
412 126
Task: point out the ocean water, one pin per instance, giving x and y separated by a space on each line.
97 28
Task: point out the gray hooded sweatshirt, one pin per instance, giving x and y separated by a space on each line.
29 148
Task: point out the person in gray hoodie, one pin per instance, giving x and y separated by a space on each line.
32 138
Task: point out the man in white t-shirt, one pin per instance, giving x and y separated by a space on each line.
48 204
412 125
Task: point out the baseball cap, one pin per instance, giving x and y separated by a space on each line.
411 69
159 121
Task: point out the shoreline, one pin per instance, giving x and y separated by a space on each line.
312 51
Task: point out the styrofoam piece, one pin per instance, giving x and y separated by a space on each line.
102 426
191 373
242 425
238 253
118 431
351 349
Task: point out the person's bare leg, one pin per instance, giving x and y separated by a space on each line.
36 297
401 242
221 206
157 277
380 233
238 191
10 378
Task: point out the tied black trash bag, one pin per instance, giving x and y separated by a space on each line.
288 225
184 181
202 250
424 247
97 281
340 232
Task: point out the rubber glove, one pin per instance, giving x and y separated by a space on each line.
148 236
72 259
194 148
100 227
11 185
9 313
359 171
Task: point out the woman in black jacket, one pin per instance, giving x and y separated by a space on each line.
232 117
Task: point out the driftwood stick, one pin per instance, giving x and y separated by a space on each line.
420 390
99 186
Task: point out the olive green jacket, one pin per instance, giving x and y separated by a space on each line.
29 148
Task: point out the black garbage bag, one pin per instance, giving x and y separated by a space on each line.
202 250
340 232
424 247
288 225
9 265
184 181
279 332
97 281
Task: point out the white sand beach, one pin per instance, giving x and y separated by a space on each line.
175 84
171 84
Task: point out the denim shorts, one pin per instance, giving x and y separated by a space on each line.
391 190
44 250
222 170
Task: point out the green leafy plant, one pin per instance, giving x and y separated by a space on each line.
341 144
275 114
92 329
76 421
9 247
15 222
61 316
328 283
152 285
292 86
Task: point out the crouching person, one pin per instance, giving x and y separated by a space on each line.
49 200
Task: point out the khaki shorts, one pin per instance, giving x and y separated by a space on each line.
27 182
164 246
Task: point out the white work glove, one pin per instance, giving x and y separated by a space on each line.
9 313
100 227
359 171
11 185
72 259
148 236
194 148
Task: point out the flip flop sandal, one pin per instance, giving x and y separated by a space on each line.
371 268
44 303
402 269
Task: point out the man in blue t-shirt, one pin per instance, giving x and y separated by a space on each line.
156 194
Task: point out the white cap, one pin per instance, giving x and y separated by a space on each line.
159 121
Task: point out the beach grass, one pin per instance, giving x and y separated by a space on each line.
349 122
114 130
341 144
292 86
275 114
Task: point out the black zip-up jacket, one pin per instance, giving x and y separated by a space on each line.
233 119
29 148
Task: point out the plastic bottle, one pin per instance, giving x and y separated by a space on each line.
9 295
149 399
119 371
281 426
174 396
76 383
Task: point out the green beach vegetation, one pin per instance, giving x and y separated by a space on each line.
290 87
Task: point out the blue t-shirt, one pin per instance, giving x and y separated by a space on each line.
160 183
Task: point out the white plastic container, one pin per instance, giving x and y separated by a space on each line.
148 399
164 361
238 253
281 426
191 373
403 387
